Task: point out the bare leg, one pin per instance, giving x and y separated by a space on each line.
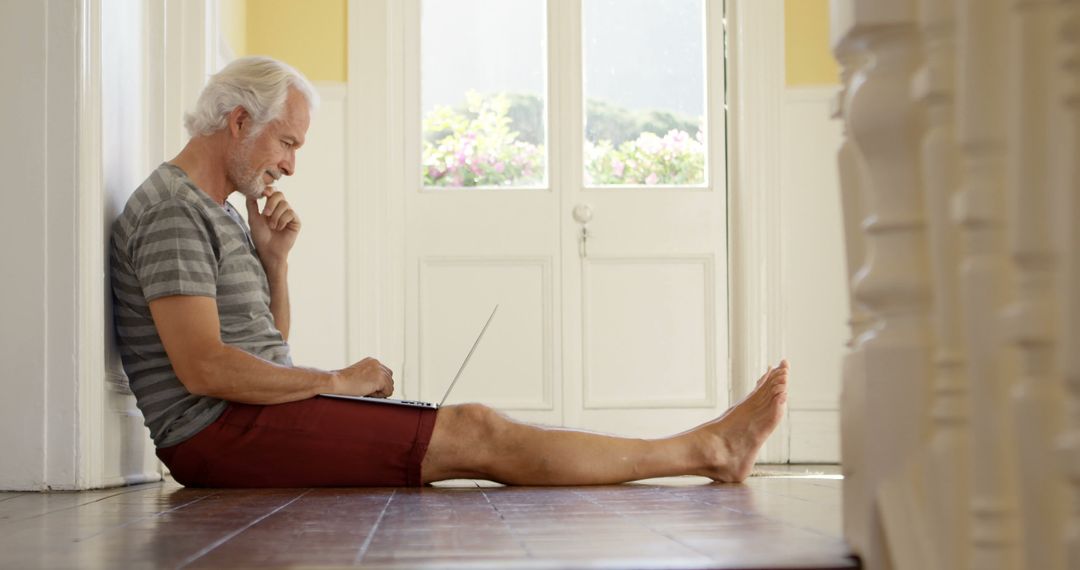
474 441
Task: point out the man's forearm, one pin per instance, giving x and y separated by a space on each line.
278 277
238 376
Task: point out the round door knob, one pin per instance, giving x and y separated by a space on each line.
582 213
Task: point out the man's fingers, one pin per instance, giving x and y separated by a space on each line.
280 219
279 205
271 202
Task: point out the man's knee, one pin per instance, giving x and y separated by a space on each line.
472 423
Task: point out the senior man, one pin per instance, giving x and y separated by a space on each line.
202 319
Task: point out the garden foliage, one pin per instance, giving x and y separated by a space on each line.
498 140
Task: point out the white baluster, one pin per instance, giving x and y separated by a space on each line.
1031 319
981 111
1070 441
947 468
894 286
852 399
853 188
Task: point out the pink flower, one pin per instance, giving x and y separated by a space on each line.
651 178
500 167
650 143
617 167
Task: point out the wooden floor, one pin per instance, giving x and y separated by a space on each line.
769 522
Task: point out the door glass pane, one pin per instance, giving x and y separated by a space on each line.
644 75
483 96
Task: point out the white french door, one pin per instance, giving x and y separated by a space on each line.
580 185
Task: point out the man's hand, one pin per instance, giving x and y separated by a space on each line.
365 378
274 229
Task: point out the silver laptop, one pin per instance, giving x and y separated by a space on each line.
417 404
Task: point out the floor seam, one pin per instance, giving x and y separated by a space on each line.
140 519
236 533
506 524
663 534
371 535
47 513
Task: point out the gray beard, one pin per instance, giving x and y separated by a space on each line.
249 184
253 188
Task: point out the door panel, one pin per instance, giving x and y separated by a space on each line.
644 257
514 368
624 331
649 339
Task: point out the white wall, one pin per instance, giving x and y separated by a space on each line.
23 247
813 274
317 263
38 245
61 426
131 146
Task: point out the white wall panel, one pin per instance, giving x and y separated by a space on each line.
815 295
512 369
815 436
647 338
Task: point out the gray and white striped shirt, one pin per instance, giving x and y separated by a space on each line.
172 239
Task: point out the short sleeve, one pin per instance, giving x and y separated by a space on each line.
172 252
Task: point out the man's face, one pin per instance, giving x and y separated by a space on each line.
262 159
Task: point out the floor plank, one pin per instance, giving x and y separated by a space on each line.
788 521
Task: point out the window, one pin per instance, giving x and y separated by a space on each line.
644 88
484 75
483 93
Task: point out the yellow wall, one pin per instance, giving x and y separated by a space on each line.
309 35
806 48
233 21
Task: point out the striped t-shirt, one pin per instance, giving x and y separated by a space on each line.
173 239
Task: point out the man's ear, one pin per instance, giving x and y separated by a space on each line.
239 120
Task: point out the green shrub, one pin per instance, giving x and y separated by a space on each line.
477 147
674 159
498 140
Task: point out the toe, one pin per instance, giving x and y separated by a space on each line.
765 376
778 377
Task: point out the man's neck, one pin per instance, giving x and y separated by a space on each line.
204 164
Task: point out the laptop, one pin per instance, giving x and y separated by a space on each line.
415 403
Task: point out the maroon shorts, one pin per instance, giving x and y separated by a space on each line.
319 442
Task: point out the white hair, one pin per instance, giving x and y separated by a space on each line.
258 84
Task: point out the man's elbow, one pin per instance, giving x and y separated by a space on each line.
195 382
201 376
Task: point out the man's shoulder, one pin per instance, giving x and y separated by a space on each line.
165 186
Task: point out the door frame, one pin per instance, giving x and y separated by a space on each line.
375 211
755 105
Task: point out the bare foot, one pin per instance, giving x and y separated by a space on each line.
729 444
